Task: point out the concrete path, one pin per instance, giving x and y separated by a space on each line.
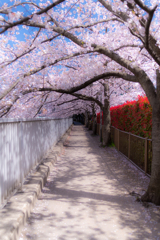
86 197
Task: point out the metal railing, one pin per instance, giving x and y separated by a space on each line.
23 144
137 149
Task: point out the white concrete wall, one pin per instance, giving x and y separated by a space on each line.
23 143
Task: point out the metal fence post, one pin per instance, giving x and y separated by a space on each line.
100 134
118 139
145 155
129 145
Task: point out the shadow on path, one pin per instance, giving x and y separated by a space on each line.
87 197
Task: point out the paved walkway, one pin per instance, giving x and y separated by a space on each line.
86 197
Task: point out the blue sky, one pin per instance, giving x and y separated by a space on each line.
21 9
26 12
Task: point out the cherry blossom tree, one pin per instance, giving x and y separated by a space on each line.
73 44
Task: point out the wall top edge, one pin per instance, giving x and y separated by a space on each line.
17 120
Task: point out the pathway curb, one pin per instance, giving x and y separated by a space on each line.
14 215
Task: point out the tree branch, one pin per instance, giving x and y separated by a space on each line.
153 50
143 6
139 73
33 71
128 45
59 30
148 23
87 98
72 100
122 15
92 80
29 51
41 106
8 108
96 23
25 19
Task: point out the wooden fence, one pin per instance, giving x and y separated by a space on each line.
137 149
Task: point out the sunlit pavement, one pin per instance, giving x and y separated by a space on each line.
87 196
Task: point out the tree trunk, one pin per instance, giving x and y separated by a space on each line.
107 123
94 125
106 117
86 119
94 119
153 191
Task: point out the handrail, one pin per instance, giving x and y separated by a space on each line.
131 133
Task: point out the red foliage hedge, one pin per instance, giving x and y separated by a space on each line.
98 118
134 116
